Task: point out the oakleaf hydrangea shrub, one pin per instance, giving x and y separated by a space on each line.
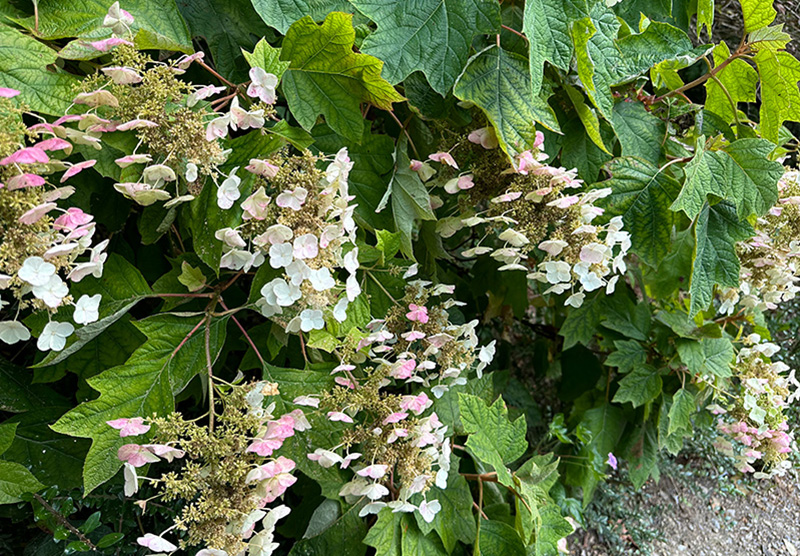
296 280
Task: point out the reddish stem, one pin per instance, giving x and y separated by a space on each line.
246 335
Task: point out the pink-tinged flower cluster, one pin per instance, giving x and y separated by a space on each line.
769 274
755 421
273 478
545 214
129 427
58 238
417 346
273 434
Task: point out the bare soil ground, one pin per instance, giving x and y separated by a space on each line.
694 517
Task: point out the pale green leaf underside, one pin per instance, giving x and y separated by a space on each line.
499 83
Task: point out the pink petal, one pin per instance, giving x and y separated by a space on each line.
77 168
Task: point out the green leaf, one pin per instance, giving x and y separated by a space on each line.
388 244
605 423
7 432
280 14
629 355
546 23
228 26
432 36
298 382
54 459
410 198
705 16
674 269
385 535
18 395
772 38
671 442
147 383
657 43
343 538
23 66
487 388
268 58
625 317
640 386
373 162
642 194
708 356
298 137
494 439
642 455
533 481
740 173
587 116
496 538
110 540
597 56
640 133
553 528
191 277
121 286
16 480
780 97
499 83
738 78
326 77
716 231
581 323
416 543
157 23
757 14
455 521
579 151
680 414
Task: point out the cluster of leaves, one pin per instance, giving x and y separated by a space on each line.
626 95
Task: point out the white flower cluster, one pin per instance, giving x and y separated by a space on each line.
769 273
599 264
581 256
312 225
429 436
420 345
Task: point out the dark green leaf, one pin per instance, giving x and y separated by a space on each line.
432 36
716 231
642 194
640 133
640 386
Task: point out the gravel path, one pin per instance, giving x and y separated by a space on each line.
698 520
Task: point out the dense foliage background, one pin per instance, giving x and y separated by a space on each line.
419 275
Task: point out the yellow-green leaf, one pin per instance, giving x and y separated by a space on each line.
326 77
